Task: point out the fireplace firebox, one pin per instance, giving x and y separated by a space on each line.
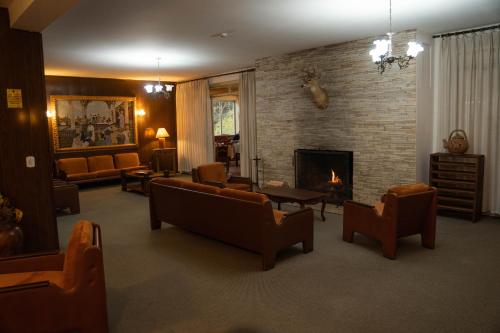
328 171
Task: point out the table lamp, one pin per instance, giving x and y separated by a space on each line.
161 134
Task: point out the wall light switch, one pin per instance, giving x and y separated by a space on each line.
30 161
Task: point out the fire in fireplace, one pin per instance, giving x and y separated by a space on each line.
328 171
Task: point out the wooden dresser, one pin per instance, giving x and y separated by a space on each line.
459 180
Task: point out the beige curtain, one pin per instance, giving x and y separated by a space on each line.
194 125
467 92
248 124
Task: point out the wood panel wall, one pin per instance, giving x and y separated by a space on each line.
160 112
24 132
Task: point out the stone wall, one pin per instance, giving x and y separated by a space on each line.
371 114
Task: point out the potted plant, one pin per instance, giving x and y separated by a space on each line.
11 235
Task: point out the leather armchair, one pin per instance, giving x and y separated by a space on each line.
214 174
56 292
405 210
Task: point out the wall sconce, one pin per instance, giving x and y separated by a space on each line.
50 114
140 113
149 133
161 135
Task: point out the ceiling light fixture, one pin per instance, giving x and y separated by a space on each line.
157 89
382 52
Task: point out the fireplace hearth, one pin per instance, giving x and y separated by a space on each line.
327 171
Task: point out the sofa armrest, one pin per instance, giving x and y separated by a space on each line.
214 183
240 180
43 261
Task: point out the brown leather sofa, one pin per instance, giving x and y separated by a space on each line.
405 210
244 219
80 170
215 174
56 292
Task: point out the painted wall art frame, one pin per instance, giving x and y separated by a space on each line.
93 122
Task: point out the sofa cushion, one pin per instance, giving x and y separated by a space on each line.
279 215
243 195
81 176
201 187
238 186
212 172
101 162
187 185
168 181
14 279
126 160
140 167
409 189
107 173
73 165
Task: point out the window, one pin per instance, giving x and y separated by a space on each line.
225 117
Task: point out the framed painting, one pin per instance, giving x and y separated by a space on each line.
93 122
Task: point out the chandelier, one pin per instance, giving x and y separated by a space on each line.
382 52
158 89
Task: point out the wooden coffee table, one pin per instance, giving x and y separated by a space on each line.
144 177
282 194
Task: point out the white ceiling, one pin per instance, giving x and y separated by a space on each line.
122 38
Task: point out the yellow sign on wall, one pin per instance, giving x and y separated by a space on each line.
14 99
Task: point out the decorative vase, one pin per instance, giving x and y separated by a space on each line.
457 142
11 239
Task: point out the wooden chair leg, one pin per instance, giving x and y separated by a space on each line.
428 241
268 260
347 235
307 246
389 249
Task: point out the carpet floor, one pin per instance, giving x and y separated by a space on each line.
170 280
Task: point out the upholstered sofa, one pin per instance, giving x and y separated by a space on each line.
79 170
244 219
215 174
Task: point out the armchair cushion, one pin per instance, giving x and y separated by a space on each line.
15 279
127 160
212 172
73 165
409 189
200 187
99 163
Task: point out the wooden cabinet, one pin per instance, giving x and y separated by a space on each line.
459 180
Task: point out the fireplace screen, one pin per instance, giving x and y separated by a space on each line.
328 171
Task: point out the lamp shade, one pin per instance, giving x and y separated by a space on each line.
162 133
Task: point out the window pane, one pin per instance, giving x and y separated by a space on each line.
228 118
224 117
217 111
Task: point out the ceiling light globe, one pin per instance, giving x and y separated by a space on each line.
169 87
158 88
414 49
148 88
380 49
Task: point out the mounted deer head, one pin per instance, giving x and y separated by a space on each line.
319 95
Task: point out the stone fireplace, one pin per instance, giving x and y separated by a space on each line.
371 115
328 171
